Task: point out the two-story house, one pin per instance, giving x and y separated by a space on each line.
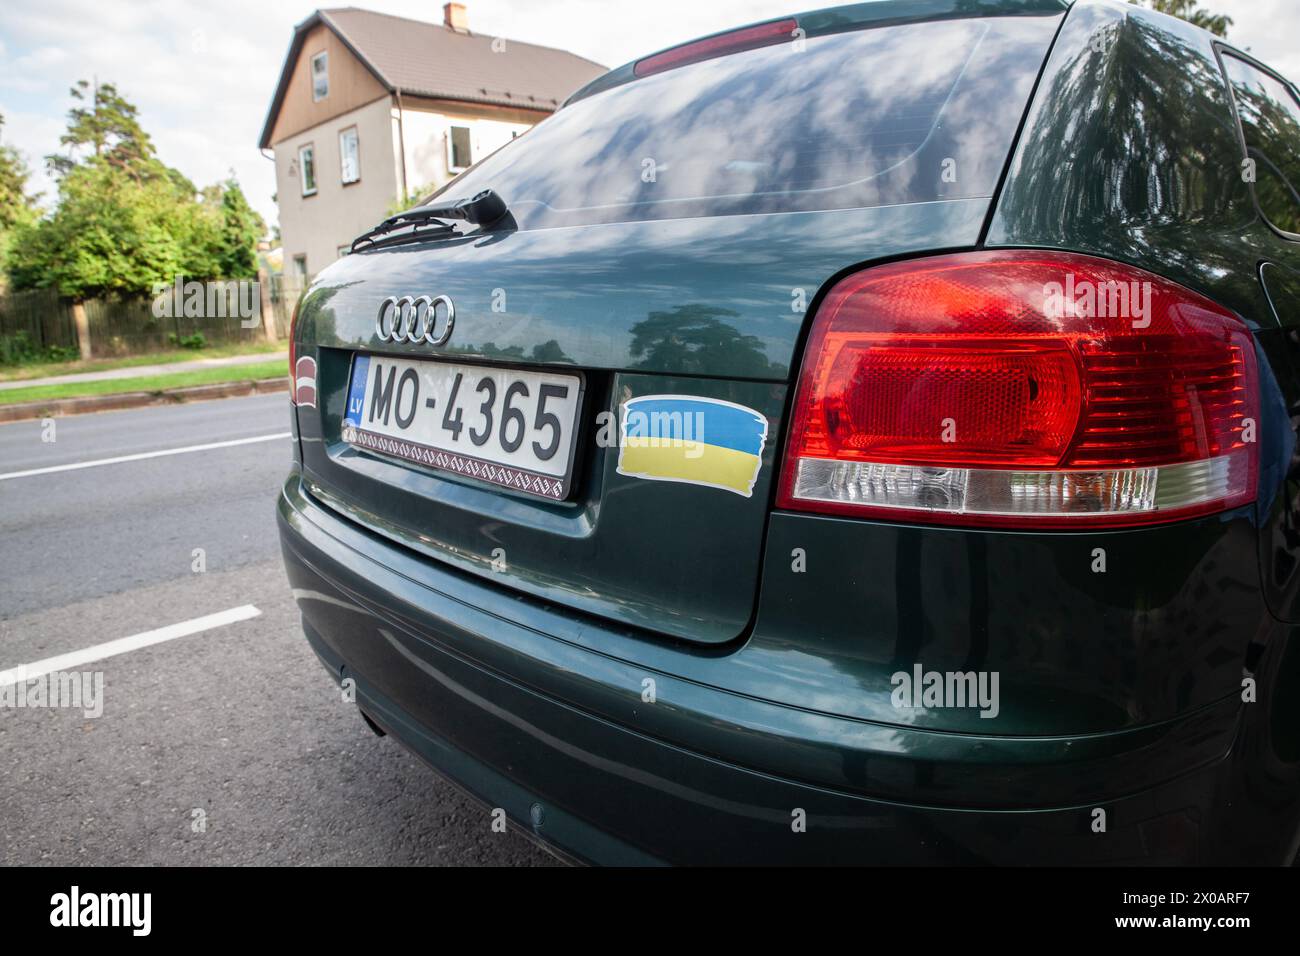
372 107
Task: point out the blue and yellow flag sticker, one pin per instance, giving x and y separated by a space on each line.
695 441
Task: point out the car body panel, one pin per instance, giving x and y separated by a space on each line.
589 297
648 299
1170 200
1279 539
1159 686
641 299
1196 223
531 708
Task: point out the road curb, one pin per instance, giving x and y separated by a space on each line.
59 407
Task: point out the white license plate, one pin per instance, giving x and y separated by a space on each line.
510 427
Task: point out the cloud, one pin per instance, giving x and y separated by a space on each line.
22 129
201 75
1267 29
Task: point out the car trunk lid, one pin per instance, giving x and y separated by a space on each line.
677 287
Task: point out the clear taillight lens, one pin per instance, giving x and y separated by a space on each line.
1022 389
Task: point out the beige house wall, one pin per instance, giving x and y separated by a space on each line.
426 128
317 226
351 84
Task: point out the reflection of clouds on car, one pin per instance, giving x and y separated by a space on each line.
862 122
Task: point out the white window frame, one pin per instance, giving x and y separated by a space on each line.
321 57
343 155
451 151
303 151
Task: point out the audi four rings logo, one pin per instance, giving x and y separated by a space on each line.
414 319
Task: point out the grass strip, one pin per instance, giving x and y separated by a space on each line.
150 383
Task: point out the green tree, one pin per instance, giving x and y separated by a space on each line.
1190 10
124 220
241 228
15 204
219 234
17 207
109 233
108 128
409 200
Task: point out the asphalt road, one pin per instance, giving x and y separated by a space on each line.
239 721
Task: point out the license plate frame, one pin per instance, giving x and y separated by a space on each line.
499 467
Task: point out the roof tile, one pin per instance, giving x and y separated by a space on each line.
429 59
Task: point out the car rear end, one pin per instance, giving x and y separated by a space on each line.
732 498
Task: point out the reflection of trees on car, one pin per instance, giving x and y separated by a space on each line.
1132 182
693 339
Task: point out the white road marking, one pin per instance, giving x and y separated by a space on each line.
75 466
75 659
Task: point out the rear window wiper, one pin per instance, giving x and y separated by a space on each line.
422 225
485 210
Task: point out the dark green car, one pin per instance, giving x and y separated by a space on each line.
862 437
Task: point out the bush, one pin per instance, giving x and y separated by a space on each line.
195 341
19 349
16 349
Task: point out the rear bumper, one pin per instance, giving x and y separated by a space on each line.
520 705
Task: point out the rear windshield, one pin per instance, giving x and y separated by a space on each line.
898 114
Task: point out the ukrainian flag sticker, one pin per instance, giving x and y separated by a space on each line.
694 441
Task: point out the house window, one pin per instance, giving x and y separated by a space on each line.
307 169
320 76
458 149
349 155
300 266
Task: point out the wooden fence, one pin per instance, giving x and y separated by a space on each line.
131 326
284 291
40 316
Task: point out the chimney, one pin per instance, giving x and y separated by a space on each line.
455 18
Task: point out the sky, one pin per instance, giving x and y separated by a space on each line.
202 72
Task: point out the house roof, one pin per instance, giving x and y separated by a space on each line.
418 58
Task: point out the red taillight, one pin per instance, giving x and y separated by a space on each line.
1022 389
748 38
